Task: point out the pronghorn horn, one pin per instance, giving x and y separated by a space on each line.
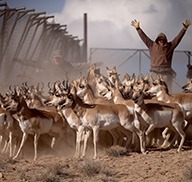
37 87
67 75
49 85
42 86
26 86
10 89
15 90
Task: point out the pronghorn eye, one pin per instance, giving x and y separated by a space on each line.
154 84
81 86
57 95
15 99
69 97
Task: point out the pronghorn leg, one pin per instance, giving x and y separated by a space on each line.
53 142
5 143
95 140
140 135
79 137
36 138
182 134
1 140
114 135
10 143
24 138
150 128
86 137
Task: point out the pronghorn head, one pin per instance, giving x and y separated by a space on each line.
137 94
82 87
102 85
127 85
14 102
65 102
157 85
188 87
112 75
56 96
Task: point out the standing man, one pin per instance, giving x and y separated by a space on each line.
161 52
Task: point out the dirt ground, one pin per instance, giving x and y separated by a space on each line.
60 165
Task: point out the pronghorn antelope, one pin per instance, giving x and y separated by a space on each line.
9 128
187 88
10 131
127 84
159 89
102 85
112 75
103 117
159 115
85 93
35 121
70 116
92 74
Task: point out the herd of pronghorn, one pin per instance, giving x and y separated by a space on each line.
130 109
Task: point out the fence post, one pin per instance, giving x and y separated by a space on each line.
85 38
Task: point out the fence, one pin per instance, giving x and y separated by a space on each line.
138 61
27 36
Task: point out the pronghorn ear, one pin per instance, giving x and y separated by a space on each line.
146 77
137 79
107 69
84 81
127 77
152 79
133 81
114 68
79 80
160 77
142 77
132 77
93 66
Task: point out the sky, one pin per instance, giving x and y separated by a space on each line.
109 21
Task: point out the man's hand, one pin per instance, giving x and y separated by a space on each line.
186 24
135 23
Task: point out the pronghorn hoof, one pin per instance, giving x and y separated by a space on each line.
82 157
145 152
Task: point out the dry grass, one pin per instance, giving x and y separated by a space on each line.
187 172
49 173
116 151
95 171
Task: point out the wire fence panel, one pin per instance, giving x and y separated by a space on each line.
27 43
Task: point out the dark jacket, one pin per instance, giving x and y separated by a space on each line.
161 56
